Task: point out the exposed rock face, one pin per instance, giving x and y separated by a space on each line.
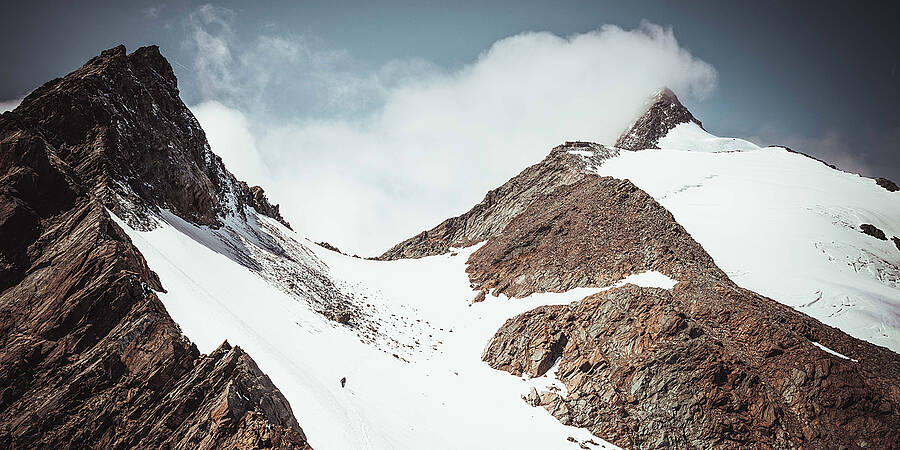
112 122
259 202
120 125
590 233
564 165
707 365
664 112
89 357
873 231
887 184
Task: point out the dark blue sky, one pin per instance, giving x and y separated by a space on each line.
818 76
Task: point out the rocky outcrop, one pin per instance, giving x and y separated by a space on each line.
872 230
707 365
664 111
590 233
261 204
119 123
564 165
887 184
89 357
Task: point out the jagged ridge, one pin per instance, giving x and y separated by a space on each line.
119 123
88 355
564 165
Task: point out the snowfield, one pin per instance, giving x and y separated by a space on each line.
781 224
431 390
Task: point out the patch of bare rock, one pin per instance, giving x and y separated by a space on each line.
591 233
887 184
873 231
705 365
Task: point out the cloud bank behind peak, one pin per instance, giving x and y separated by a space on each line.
364 158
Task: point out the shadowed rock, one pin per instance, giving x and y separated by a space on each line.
873 231
119 123
887 184
89 357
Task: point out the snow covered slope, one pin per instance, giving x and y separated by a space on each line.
422 385
781 224
689 136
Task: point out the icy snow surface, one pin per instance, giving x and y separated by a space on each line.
431 391
781 224
828 350
689 136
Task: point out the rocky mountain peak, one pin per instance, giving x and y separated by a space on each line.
89 356
663 112
119 123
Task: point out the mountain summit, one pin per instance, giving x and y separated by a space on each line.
119 123
663 113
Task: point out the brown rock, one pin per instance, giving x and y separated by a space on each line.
640 376
120 125
590 233
89 357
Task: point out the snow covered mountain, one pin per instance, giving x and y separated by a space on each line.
677 289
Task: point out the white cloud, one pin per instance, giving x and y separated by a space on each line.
9 105
211 36
229 137
402 147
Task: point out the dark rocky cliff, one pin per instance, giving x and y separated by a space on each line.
119 123
663 113
89 357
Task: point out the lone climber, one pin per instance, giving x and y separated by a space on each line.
343 381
